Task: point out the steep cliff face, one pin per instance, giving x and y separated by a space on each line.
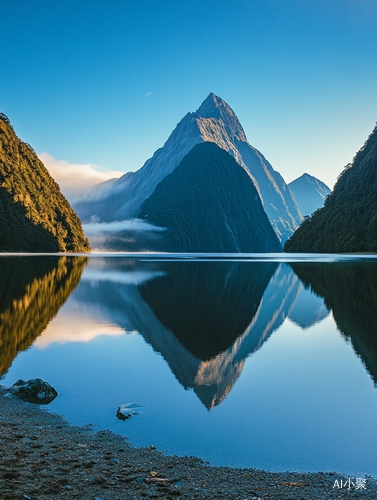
34 215
209 204
348 220
215 122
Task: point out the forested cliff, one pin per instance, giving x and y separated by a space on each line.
348 220
34 214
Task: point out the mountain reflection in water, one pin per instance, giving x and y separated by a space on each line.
32 290
350 290
204 318
271 381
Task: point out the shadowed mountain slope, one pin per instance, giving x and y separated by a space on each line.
209 204
348 220
215 122
34 215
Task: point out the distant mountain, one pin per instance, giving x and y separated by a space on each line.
310 193
209 204
34 215
216 122
348 220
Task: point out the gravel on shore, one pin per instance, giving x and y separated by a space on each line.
43 457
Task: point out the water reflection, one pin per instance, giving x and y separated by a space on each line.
204 318
253 344
350 290
308 309
32 290
210 309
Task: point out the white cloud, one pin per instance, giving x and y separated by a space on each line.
123 225
74 179
147 94
78 331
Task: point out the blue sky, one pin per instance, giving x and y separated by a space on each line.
103 83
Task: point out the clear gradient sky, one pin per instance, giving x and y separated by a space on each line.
103 83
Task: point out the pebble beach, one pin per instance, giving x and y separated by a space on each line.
43 457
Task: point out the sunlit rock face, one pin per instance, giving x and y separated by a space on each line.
32 290
216 122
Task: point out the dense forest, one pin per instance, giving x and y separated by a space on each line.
348 220
32 290
34 214
209 204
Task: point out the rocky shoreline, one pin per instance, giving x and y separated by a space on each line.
43 457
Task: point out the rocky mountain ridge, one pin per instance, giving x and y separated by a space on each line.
214 121
209 204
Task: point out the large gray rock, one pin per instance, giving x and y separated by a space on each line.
34 391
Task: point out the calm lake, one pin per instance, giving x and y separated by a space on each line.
266 362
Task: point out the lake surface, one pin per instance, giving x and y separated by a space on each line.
266 362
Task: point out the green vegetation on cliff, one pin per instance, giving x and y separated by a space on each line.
348 220
34 214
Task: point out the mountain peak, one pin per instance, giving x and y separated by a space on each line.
210 107
215 107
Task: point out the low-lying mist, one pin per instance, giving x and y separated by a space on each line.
132 235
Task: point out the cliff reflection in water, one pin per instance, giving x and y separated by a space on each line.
350 290
32 290
204 318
